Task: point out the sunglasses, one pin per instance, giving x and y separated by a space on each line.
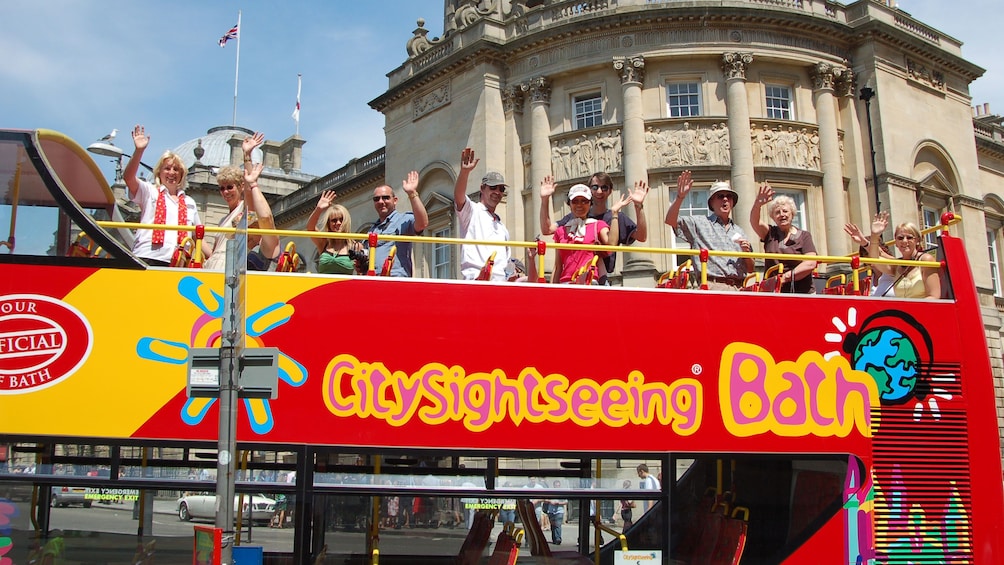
382 197
580 201
500 188
601 187
227 187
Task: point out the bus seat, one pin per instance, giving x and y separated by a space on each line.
477 538
837 284
710 532
751 283
731 537
694 526
680 278
538 542
772 279
507 546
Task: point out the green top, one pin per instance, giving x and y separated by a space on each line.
331 264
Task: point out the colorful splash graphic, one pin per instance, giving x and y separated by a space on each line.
7 513
207 332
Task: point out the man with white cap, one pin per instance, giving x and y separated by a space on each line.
715 232
478 221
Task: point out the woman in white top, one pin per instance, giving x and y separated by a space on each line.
162 202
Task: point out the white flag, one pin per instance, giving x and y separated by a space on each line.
296 110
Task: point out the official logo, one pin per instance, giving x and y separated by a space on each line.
42 341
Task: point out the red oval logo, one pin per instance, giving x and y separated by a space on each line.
42 341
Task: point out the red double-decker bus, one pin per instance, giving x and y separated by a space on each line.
415 418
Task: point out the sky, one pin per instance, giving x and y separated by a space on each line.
84 67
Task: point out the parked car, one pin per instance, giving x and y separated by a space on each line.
16 491
202 506
66 496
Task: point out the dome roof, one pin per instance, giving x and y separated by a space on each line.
216 147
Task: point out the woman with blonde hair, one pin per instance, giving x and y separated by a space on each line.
784 237
337 255
162 202
911 281
240 191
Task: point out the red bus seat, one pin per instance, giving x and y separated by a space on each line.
538 543
731 537
477 538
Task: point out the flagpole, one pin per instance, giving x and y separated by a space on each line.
299 83
237 70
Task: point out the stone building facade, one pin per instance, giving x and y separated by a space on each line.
743 90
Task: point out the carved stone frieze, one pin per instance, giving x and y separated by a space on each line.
438 97
512 99
538 89
734 65
686 145
919 72
631 69
790 147
582 155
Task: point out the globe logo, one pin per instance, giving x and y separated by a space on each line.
891 359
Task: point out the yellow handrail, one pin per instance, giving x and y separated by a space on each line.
541 245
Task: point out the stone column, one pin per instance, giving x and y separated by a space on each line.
852 157
538 90
632 75
734 66
512 106
834 205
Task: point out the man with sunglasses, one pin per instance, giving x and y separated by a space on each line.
478 220
715 232
601 186
392 222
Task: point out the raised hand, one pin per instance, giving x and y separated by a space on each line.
623 201
765 194
880 223
327 197
684 183
467 160
410 184
139 137
252 141
547 187
252 172
856 236
640 192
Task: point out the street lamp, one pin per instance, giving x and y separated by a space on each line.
867 93
109 149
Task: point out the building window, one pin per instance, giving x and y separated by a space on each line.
779 106
588 111
442 256
695 203
800 220
683 99
932 217
995 272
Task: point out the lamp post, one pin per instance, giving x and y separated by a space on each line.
109 149
867 93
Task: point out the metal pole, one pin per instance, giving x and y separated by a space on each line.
867 94
231 356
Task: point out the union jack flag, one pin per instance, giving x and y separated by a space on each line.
232 34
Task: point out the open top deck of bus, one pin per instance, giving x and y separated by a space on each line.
849 427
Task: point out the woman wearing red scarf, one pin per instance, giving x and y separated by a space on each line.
162 202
